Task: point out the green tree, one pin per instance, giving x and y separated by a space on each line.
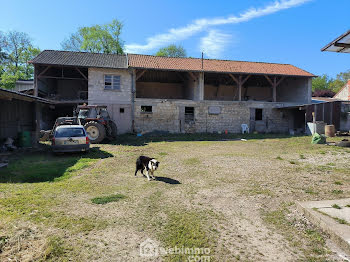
320 83
16 51
344 76
336 84
96 39
172 51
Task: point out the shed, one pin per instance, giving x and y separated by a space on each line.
18 113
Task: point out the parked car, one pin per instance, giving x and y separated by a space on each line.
70 138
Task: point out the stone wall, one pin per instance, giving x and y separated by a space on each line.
209 116
344 93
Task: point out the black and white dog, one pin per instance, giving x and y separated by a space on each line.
148 163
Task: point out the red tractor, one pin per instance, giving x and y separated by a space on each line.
97 122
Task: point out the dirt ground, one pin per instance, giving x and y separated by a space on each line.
236 198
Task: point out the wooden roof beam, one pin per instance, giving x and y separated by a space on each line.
81 73
345 45
139 74
192 76
44 71
233 78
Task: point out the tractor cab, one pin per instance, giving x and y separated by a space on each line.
97 122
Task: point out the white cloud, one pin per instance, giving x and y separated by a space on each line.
182 33
213 43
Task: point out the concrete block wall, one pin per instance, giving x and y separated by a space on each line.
168 115
295 89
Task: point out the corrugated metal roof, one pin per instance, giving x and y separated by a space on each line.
213 65
339 45
81 59
22 96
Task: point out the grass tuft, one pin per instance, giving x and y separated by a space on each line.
107 199
310 191
162 153
338 183
55 249
336 206
279 158
337 192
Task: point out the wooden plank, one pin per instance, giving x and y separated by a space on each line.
345 45
138 75
36 90
44 71
240 88
274 91
280 81
245 79
84 76
59 77
180 76
234 78
192 76
268 79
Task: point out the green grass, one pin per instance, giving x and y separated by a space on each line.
336 206
107 199
192 161
279 219
338 183
302 156
337 192
56 249
162 153
341 221
44 166
256 189
186 229
55 194
310 191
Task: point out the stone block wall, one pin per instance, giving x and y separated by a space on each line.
169 115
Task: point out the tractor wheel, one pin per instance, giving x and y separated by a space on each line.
113 127
95 131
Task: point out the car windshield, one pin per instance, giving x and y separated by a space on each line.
70 132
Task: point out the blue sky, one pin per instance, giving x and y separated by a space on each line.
284 31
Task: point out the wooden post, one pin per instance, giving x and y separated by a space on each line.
35 81
239 83
274 91
240 88
274 85
37 109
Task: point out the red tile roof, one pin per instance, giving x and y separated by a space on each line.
213 65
